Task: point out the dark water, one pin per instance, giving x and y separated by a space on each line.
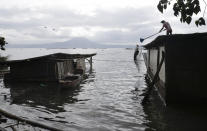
105 101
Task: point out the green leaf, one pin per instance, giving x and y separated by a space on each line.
2 43
2 47
176 9
183 15
196 22
202 21
163 1
160 7
165 6
196 9
176 13
188 19
196 2
181 19
188 12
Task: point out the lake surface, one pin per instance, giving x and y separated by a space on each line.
105 101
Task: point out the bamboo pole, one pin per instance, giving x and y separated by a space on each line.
155 79
91 64
33 123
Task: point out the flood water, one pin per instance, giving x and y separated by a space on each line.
105 101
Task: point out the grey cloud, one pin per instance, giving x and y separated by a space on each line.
139 23
67 17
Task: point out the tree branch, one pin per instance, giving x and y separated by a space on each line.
204 8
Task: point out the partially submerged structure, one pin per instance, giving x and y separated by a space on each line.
182 77
48 68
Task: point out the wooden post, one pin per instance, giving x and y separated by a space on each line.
155 79
90 61
148 61
158 56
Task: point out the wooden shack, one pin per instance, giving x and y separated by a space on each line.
182 78
48 68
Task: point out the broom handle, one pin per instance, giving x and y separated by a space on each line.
152 35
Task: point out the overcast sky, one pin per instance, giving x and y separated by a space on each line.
102 21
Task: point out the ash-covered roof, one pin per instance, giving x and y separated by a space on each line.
164 39
51 57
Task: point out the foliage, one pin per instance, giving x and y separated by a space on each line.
2 43
2 47
185 9
3 58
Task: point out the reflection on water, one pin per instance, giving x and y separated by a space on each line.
50 95
109 99
175 117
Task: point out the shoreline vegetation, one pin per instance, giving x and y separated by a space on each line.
3 59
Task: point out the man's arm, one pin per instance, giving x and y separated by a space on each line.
161 29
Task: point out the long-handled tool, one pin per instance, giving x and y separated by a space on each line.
142 39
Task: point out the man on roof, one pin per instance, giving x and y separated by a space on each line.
166 26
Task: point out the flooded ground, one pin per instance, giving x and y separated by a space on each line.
105 101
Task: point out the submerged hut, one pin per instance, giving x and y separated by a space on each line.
182 77
48 68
